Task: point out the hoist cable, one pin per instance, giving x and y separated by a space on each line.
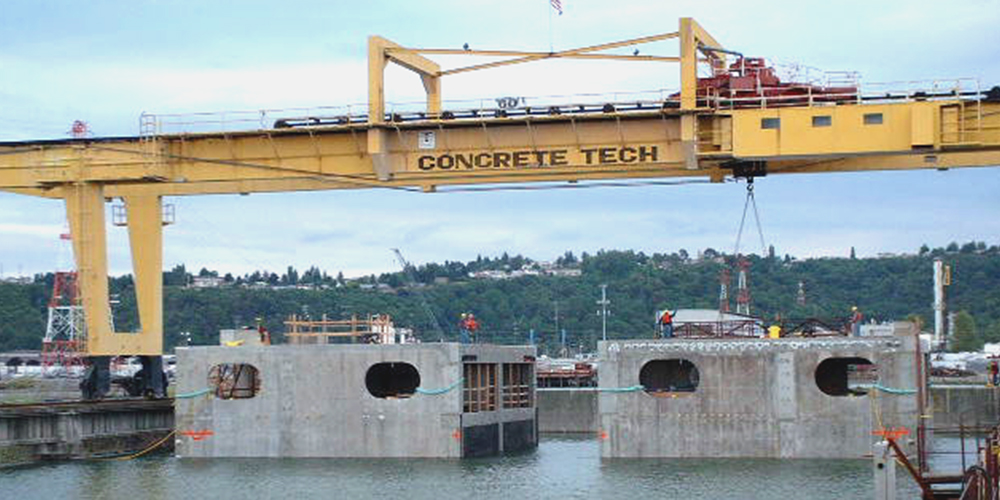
756 216
750 201
746 204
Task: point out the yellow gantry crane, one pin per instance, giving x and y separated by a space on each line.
738 122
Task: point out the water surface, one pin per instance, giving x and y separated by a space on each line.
562 468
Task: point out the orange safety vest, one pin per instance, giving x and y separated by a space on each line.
666 319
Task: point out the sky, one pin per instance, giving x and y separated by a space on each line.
106 62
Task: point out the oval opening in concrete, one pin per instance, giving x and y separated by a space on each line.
845 376
234 380
669 375
392 380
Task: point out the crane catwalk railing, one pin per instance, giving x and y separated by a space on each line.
513 107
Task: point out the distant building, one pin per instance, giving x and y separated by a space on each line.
566 272
18 280
490 275
535 269
206 282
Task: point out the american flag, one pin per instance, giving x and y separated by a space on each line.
556 4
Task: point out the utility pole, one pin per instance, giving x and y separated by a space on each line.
603 313
557 316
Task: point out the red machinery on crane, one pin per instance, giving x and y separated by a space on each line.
750 82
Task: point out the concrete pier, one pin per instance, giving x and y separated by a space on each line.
411 400
73 430
782 398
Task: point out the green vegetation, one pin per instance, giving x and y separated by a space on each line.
966 337
884 288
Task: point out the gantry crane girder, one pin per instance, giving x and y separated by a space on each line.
687 135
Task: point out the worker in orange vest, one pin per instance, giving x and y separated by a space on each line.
667 325
468 326
856 318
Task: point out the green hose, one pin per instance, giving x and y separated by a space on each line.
436 392
194 394
889 390
634 388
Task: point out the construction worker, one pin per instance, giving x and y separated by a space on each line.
856 318
666 325
473 326
265 336
463 332
468 327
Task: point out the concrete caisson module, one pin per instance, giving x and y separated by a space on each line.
412 400
751 397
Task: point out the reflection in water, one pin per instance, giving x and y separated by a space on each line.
562 468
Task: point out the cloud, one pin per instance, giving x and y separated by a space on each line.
43 230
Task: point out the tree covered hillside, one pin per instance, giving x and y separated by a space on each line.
514 295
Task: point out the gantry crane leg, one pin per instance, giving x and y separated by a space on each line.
85 211
145 230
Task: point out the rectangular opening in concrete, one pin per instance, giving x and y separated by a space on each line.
517 385
480 387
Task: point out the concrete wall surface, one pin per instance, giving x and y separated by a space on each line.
313 402
567 409
755 398
964 405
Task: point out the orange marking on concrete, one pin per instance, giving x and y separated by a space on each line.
197 435
892 433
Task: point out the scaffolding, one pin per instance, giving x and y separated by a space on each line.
376 329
